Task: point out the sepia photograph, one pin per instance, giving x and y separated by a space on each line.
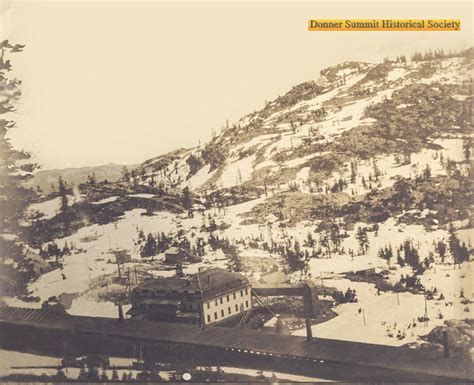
230 191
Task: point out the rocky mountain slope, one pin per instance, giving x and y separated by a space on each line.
354 112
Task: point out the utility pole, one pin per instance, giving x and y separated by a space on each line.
446 350
116 259
309 331
426 312
128 283
201 316
118 266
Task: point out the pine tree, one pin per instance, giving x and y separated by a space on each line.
187 199
93 374
82 374
14 170
115 376
91 179
324 242
403 193
309 241
133 176
60 376
426 172
239 177
441 250
234 262
353 171
459 251
150 248
411 256
376 170
63 194
179 270
279 326
125 174
467 145
103 375
400 259
335 236
386 253
363 240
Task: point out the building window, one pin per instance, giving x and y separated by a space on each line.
222 312
220 299
228 298
215 315
228 309
236 307
216 302
246 291
208 318
246 303
241 293
234 295
208 305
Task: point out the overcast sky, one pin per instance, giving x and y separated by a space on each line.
125 81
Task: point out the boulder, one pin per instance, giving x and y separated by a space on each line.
459 336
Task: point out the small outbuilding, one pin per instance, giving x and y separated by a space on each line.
274 278
176 255
37 264
366 272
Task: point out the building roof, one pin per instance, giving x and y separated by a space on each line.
206 284
161 301
172 250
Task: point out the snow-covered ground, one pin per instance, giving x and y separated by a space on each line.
52 206
384 317
237 172
143 195
380 317
198 179
105 200
451 148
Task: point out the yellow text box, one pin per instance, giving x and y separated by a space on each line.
384 25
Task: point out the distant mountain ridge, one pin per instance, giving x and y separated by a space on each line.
47 180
